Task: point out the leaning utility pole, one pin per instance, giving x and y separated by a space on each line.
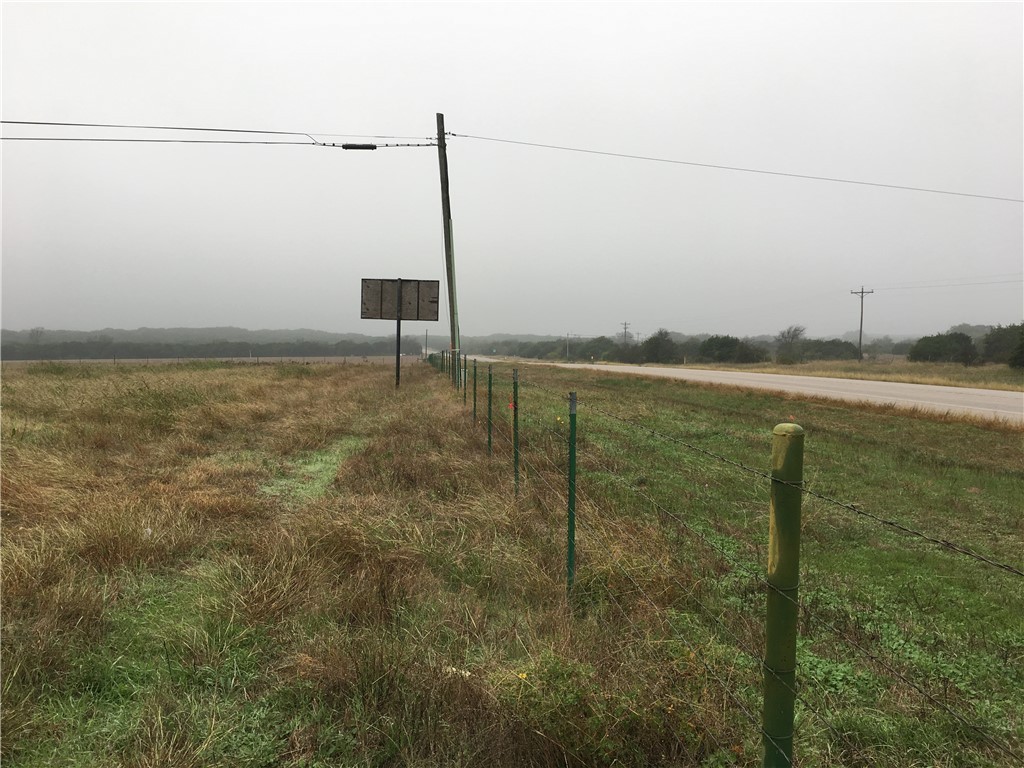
449 247
860 337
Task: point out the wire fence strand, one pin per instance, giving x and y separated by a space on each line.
895 525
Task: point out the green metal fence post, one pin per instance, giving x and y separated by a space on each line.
490 422
474 393
571 548
515 427
465 378
784 581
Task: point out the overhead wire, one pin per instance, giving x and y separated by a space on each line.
126 126
741 169
207 141
948 285
158 141
310 135
957 280
307 134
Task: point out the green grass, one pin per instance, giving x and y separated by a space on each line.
310 477
299 566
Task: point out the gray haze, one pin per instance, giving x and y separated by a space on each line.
126 235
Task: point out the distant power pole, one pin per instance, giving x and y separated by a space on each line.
625 330
860 336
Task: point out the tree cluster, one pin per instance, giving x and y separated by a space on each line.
944 348
1002 344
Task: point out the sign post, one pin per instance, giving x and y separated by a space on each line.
399 300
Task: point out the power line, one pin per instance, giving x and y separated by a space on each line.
213 141
308 134
948 285
162 141
154 127
1018 273
737 168
312 141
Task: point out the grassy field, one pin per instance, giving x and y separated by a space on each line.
294 565
988 376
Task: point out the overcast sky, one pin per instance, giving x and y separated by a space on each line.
126 235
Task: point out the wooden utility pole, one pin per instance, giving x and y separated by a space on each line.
449 247
860 336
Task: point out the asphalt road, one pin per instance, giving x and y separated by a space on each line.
991 403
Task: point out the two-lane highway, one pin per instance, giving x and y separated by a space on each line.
995 404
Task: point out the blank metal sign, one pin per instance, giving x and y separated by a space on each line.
380 299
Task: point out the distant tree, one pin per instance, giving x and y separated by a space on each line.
1017 358
629 353
1001 342
789 346
689 349
719 349
976 332
541 350
828 349
659 348
944 348
729 349
36 335
881 346
600 348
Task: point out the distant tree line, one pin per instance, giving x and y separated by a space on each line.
668 348
1002 344
104 348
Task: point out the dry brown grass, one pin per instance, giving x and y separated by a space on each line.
298 564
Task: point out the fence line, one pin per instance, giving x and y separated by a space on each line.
728 630
693 651
639 590
585 522
760 578
828 625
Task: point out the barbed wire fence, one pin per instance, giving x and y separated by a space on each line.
540 445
